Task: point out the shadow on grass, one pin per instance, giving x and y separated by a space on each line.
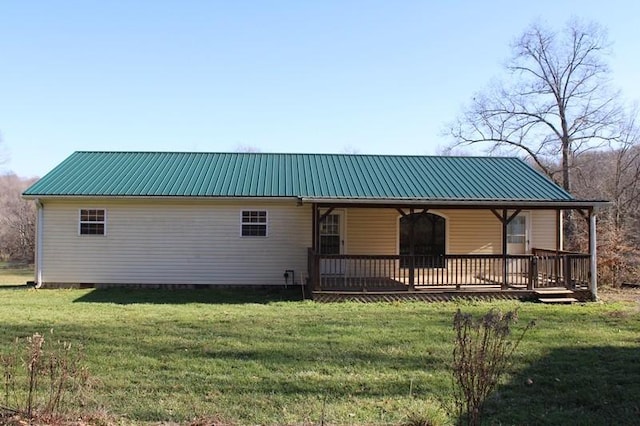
124 296
594 385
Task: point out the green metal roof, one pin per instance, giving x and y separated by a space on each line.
331 176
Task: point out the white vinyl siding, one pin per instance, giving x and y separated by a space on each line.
543 229
375 231
372 231
473 232
172 242
198 241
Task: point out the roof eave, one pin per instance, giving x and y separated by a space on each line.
151 197
526 204
356 202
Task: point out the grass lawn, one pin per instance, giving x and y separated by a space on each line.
172 356
12 275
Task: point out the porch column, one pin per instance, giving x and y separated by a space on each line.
314 264
505 219
593 261
412 251
505 271
314 226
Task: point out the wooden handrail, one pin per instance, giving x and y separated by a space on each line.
446 256
542 252
525 271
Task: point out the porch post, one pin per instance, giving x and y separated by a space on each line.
504 249
314 227
412 251
593 265
314 262
504 220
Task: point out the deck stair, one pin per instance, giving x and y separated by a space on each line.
555 295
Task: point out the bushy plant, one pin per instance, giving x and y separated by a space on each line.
39 376
481 356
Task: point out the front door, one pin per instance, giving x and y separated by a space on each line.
428 240
332 243
518 234
518 243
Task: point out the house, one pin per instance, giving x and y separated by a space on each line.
341 224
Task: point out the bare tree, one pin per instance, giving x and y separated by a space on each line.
614 175
555 104
17 220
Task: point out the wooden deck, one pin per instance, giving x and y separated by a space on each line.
437 294
394 277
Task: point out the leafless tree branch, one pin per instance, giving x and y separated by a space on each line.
556 104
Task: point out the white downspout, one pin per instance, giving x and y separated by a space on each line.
594 257
39 241
561 226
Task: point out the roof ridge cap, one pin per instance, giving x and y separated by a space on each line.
340 154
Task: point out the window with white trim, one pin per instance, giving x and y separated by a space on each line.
254 223
93 222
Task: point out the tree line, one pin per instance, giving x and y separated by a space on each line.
17 220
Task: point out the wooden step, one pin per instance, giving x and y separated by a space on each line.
557 299
553 291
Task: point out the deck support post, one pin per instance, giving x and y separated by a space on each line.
533 273
566 273
314 226
316 272
593 247
505 219
412 251
505 265
590 217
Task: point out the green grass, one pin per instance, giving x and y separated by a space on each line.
265 359
12 275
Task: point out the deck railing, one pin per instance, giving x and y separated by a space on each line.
562 268
401 272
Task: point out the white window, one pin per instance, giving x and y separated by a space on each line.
254 223
93 222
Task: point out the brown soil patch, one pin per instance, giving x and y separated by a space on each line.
624 294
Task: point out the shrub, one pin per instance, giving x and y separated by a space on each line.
481 356
39 376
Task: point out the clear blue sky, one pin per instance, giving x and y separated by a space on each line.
281 76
